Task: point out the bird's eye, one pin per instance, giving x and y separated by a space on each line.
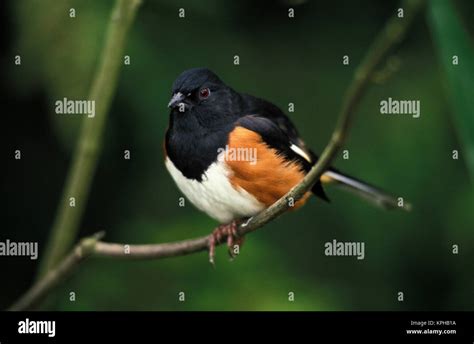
204 93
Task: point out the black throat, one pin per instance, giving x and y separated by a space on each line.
193 146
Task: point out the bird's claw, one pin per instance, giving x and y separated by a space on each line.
228 231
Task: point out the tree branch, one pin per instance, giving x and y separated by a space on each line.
392 33
88 148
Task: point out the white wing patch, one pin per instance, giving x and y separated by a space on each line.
300 152
215 195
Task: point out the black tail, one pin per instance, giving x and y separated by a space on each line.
367 191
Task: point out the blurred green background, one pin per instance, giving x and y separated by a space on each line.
283 60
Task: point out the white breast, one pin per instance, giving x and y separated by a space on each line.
215 195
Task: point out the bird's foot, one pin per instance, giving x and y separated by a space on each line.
228 232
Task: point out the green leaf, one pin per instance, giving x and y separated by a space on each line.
452 40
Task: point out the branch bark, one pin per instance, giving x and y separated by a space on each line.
392 33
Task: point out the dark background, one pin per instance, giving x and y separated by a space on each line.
282 60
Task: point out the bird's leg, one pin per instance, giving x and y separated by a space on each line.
234 241
228 231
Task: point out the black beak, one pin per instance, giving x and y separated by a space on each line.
177 99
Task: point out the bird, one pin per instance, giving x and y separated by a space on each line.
233 155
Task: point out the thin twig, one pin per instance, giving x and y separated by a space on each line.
391 34
40 289
88 148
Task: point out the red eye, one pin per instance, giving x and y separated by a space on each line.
204 93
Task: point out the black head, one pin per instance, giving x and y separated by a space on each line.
192 79
199 97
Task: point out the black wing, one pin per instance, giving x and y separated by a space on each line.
263 108
281 139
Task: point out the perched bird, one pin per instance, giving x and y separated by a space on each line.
233 155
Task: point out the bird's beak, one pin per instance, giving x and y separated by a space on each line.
176 99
